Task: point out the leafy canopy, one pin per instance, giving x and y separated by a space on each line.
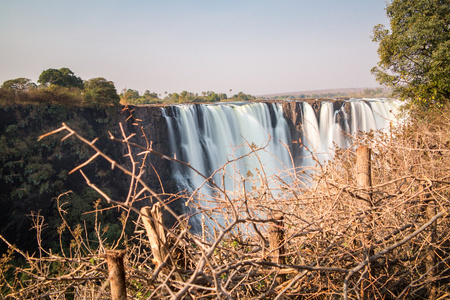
99 91
63 77
131 94
19 84
415 53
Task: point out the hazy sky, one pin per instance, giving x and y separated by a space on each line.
254 46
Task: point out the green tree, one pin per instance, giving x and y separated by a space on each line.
132 95
19 84
99 91
415 52
243 97
148 94
183 97
174 97
63 77
212 97
222 96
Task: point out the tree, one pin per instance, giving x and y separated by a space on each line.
222 96
182 97
415 52
99 91
63 77
212 97
174 97
131 94
243 97
19 84
148 94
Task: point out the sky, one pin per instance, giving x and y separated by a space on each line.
254 46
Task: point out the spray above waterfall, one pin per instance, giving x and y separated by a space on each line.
209 135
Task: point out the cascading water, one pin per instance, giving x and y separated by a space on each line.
382 113
209 135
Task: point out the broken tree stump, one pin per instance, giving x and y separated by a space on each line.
116 271
153 223
276 243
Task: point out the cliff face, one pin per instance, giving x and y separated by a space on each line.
150 129
33 173
293 114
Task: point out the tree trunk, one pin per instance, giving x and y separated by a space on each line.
276 243
116 271
155 231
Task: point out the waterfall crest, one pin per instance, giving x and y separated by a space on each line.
209 135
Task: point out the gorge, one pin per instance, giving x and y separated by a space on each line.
205 135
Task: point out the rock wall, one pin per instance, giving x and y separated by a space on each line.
33 174
293 114
150 129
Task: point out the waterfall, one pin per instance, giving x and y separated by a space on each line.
208 136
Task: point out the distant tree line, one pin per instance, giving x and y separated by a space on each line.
60 86
130 96
367 93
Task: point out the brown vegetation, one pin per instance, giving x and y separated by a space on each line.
338 238
50 95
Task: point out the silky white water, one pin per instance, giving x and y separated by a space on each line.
209 135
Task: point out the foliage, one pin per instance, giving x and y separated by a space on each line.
149 94
19 84
63 87
131 96
48 96
59 86
56 95
213 97
63 77
98 91
23 168
242 97
415 52
356 93
189 97
32 172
